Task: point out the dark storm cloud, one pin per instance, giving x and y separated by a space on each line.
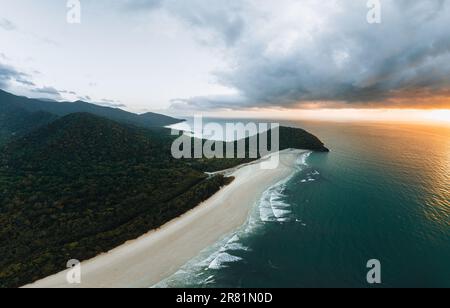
290 52
10 77
25 82
111 103
48 92
9 74
68 92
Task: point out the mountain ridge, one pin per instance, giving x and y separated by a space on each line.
14 107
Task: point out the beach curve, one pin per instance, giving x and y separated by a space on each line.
160 253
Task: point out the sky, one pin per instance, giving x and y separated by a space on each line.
240 56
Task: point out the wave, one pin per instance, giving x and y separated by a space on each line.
222 259
271 208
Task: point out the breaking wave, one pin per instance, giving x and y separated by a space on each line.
271 208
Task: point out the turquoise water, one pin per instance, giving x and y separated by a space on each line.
383 192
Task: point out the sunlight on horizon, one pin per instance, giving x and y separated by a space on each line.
436 116
439 115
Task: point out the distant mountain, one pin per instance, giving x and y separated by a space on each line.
16 121
158 119
14 109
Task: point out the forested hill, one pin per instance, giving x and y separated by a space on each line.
19 115
84 140
83 184
289 138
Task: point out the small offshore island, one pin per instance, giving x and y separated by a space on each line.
79 180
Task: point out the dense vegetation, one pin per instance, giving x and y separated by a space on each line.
84 185
76 186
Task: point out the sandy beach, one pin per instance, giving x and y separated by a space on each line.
159 254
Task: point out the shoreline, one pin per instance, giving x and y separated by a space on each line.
158 254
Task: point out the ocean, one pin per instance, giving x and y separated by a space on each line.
383 192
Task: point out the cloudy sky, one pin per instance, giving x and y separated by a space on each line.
182 55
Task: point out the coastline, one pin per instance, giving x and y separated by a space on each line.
160 253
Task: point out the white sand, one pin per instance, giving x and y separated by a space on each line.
159 254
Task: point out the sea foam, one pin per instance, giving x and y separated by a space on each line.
271 208
222 259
